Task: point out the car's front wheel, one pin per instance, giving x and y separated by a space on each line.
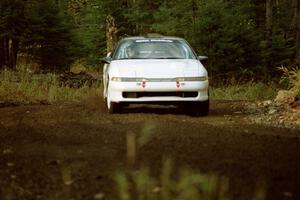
198 108
112 107
203 108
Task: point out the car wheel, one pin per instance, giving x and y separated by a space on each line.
198 108
112 107
203 108
105 94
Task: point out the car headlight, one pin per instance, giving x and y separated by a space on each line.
117 79
196 78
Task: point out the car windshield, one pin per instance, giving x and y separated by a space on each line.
153 49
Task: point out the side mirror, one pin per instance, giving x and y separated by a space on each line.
106 60
202 58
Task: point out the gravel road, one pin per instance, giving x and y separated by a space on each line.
73 151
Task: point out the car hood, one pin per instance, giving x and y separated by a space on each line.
154 68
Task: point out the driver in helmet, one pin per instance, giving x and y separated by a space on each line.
131 52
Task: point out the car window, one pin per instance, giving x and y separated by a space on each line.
153 49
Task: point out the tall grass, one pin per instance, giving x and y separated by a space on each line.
248 91
25 88
291 78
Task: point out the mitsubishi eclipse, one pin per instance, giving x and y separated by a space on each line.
155 70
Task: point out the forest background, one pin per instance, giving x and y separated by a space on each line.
243 39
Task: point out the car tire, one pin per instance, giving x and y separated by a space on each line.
203 108
105 93
112 107
196 109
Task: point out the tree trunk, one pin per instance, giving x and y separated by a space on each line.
13 52
194 5
277 11
111 33
296 6
269 18
268 35
298 30
2 53
295 10
8 52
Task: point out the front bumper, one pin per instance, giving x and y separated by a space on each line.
150 91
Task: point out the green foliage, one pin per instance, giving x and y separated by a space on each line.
231 33
12 22
282 51
48 33
178 18
89 34
138 17
42 29
227 34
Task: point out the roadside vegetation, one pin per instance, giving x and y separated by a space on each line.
22 87
283 110
287 87
250 91
291 79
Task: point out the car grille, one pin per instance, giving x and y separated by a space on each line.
159 94
160 79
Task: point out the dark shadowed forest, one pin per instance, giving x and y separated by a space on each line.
241 38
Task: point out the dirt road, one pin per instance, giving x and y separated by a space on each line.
73 151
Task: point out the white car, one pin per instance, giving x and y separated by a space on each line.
155 70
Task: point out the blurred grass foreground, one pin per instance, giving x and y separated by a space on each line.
182 184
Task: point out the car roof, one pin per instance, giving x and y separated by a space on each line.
152 37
